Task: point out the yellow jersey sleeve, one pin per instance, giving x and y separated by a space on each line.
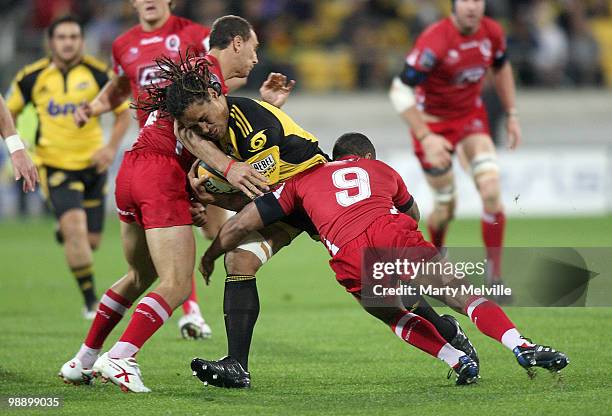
15 100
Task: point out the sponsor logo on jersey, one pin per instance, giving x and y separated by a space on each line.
263 165
83 85
149 41
469 45
55 109
148 75
470 75
173 43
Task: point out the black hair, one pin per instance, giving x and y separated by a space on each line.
353 144
62 20
182 84
226 28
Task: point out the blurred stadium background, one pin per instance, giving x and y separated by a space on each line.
343 54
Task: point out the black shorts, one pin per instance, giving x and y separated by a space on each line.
69 189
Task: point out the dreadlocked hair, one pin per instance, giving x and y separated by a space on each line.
180 84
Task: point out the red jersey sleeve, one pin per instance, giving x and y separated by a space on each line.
402 198
117 68
428 49
498 39
200 36
279 203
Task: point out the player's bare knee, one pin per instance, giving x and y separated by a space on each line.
94 240
444 203
241 261
488 185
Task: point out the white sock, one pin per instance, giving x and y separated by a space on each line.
88 356
512 339
450 355
123 350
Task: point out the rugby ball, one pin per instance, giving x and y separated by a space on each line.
215 183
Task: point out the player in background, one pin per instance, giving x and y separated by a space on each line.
23 167
156 216
73 161
357 202
438 95
158 33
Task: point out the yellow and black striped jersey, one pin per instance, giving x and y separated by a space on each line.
269 139
56 95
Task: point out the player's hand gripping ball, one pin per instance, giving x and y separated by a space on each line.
214 183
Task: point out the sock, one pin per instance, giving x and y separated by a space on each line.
84 277
419 306
191 304
111 309
150 314
444 327
492 321
241 309
437 236
493 237
417 331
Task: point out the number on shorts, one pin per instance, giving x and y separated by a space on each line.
362 182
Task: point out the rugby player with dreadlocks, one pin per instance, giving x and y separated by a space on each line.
266 137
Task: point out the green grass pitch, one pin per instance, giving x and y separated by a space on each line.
314 351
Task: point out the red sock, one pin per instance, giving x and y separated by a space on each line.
492 321
150 314
437 236
493 237
111 309
419 332
191 304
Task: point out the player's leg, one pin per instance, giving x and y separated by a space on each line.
65 190
442 184
446 325
480 152
241 306
192 325
114 303
241 300
172 251
215 218
492 321
419 332
94 199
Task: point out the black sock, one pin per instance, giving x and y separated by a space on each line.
85 280
241 309
419 306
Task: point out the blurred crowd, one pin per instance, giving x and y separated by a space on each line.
346 44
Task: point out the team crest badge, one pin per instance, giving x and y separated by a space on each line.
173 43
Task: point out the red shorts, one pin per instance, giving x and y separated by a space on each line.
454 130
389 231
151 189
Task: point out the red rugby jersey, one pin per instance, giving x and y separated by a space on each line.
342 198
134 52
455 65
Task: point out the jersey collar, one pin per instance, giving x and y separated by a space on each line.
347 157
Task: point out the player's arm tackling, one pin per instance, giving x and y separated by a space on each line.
231 234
